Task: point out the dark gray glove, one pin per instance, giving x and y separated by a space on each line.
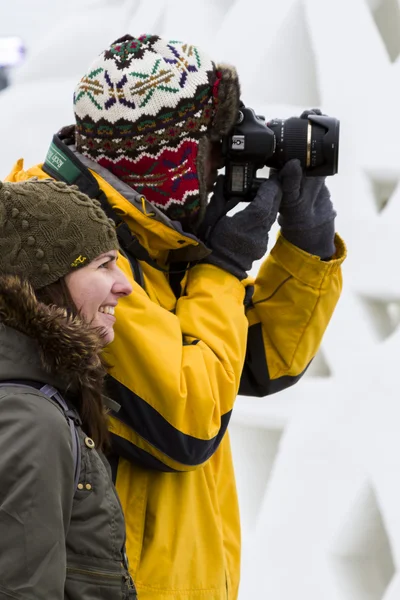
307 216
239 240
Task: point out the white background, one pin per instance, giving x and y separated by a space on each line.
318 466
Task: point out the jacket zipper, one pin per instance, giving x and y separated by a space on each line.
132 593
128 578
125 562
95 573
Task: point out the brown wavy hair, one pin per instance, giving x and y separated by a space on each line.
89 397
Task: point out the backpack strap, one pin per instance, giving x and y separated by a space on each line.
73 420
70 414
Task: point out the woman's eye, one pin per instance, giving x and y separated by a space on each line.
104 265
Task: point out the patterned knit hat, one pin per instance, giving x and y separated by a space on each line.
48 229
146 111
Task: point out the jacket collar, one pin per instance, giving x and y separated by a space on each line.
41 343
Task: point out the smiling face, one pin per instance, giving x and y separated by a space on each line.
96 289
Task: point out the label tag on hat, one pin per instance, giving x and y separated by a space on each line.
59 162
79 261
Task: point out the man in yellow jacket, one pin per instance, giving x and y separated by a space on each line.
196 330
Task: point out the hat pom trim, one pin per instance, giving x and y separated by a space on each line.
226 91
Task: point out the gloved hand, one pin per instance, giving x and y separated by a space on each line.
239 240
307 216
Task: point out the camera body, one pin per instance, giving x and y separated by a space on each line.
253 144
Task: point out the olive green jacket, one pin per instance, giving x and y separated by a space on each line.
56 542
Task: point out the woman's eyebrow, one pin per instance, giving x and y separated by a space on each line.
110 257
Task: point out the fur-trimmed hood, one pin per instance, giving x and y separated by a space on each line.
43 343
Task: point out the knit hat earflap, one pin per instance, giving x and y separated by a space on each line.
146 110
48 229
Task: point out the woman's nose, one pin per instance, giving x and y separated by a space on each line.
122 287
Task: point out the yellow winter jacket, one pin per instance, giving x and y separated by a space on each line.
177 365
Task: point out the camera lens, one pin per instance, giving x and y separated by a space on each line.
314 141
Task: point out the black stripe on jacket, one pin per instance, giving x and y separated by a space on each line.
122 448
151 426
255 379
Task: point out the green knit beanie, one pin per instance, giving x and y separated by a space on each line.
48 229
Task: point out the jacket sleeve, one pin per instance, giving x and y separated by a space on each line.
36 494
176 372
295 295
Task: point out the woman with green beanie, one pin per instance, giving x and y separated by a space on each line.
62 531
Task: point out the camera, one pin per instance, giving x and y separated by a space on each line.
253 144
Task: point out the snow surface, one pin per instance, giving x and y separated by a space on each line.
318 466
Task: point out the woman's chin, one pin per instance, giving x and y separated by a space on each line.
106 333
108 336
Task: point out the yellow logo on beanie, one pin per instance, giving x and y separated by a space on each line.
79 261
